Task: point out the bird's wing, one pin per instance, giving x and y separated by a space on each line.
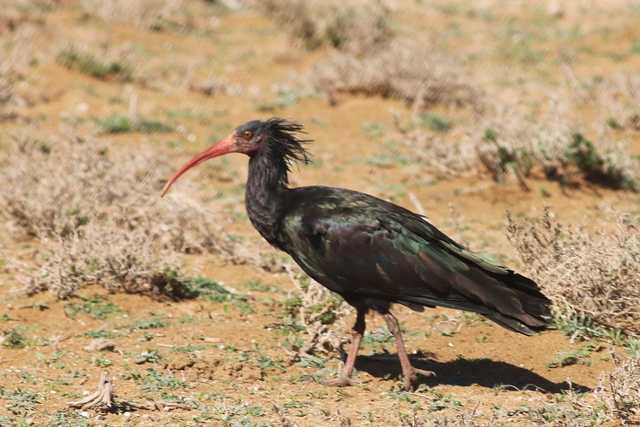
365 247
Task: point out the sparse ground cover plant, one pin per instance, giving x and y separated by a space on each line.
96 307
616 399
217 354
117 123
402 69
356 26
98 219
86 62
440 157
519 143
13 338
618 95
157 15
21 402
516 141
589 274
314 310
579 356
619 391
18 58
6 88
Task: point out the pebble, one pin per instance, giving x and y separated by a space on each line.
100 344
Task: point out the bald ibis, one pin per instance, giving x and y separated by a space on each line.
370 251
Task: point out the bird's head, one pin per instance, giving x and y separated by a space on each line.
277 138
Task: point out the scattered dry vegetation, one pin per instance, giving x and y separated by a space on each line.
86 62
356 27
98 217
514 140
80 211
587 274
422 136
317 312
615 400
370 59
511 139
619 391
155 15
403 69
17 57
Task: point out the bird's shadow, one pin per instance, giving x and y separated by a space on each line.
465 372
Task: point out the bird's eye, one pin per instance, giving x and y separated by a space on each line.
247 134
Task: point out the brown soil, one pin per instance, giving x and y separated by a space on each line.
230 365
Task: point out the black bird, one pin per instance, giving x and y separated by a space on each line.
371 252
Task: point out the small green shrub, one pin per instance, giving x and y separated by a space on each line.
597 168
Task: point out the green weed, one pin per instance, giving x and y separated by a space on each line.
89 64
258 286
152 323
154 381
14 339
102 362
117 123
190 348
373 130
435 122
100 333
578 356
95 306
20 402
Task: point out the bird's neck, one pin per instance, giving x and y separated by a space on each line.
265 195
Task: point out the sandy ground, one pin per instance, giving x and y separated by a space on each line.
225 365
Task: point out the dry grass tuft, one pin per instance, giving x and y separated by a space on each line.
98 215
353 26
438 157
619 391
515 141
615 401
120 262
594 275
18 55
317 311
401 69
6 88
155 15
617 95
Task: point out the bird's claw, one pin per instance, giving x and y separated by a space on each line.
411 380
341 381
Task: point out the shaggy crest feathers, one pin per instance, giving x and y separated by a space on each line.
285 142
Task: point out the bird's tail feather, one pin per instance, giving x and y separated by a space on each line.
533 313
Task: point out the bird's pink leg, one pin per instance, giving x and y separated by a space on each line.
409 373
344 379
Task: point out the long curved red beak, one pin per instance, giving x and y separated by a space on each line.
221 148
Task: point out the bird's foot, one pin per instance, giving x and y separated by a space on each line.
411 380
341 381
